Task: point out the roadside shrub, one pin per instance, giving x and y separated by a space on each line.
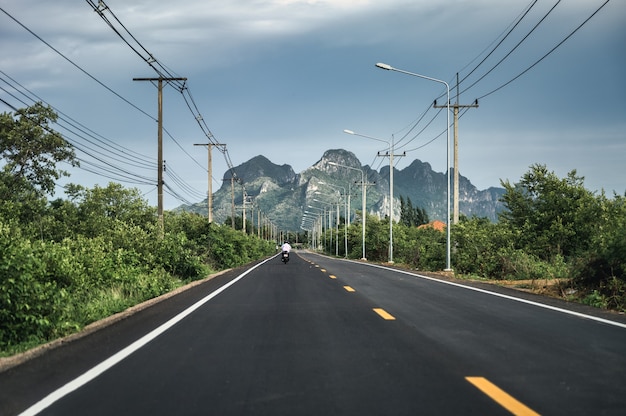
422 248
519 265
27 301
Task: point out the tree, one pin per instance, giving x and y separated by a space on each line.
550 216
412 217
96 209
30 149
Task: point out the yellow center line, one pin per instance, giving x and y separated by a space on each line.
349 289
384 314
501 397
332 276
323 270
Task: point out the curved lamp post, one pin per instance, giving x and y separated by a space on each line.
363 198
391 155
345 222
390 68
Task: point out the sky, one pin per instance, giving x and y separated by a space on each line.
284 78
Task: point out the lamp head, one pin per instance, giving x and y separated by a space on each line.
348 131
384 66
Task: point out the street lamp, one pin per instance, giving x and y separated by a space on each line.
363 198
330 222
391 155
390 68
345 222
320 223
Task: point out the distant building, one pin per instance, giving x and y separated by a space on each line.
436 224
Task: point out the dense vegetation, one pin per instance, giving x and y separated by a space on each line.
553 229
67 262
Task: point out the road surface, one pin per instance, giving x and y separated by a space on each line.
326 336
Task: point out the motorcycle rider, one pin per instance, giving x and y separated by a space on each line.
286 247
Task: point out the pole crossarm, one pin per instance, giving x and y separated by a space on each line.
456 107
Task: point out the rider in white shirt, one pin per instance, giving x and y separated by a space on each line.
286 247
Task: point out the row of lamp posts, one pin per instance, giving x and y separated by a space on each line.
391 156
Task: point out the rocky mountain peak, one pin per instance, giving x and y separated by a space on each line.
284 195
261 167
338 156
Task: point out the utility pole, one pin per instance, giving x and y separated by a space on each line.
364 184
455 215
210 169
391 155
243 208
232 180
160 144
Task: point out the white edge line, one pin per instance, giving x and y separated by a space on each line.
500 295
125 352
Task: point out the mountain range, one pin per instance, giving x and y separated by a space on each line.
283 196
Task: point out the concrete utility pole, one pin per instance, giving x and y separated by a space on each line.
243 208
232 198
210 169
160 144
364 184
455 215
391 155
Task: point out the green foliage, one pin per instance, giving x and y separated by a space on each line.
69 262
27 300
595 299
565 230
479 245
552 216
412 216
420 248
31 149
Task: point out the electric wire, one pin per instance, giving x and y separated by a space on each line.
75 65
547 53
88 74
102 154
108 167
514 48
153 63
512 26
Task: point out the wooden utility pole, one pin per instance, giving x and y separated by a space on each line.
232 198
160 144
209 199
455 215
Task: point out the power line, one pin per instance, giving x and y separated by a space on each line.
547 54
514 48
88 74
160 69
122 154
74 64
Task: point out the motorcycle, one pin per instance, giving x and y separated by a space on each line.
285 257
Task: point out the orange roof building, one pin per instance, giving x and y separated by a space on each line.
436 224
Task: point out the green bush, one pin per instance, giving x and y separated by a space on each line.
420 248
28 302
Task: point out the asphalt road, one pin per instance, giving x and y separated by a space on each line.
325 336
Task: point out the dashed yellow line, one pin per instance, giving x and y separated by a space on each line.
501 397
332 276
323 270
384 314
349 289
